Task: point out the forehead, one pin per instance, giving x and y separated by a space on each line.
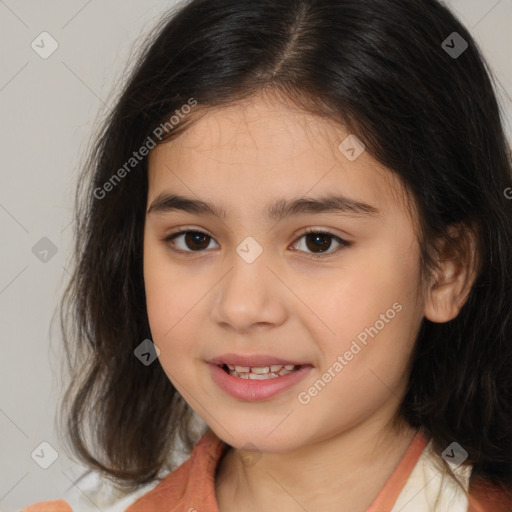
248 153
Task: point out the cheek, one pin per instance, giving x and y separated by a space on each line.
167 303
365 362
372 311
175 300
157 287
167 299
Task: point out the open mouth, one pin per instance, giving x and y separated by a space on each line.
255 383
259 372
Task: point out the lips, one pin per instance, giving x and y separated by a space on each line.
256 389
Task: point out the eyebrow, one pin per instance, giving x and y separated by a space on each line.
277 210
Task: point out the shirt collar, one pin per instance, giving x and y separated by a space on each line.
199 474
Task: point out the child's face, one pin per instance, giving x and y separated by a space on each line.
353 314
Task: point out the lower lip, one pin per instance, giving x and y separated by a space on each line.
253 390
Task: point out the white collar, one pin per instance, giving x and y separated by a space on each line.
426 484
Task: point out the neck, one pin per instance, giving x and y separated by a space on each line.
348 468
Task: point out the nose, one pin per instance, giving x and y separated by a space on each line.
250 295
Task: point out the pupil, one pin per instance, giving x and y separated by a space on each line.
317 237
191 238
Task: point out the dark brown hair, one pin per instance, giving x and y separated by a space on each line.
379 68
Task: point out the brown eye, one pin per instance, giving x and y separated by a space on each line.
319 242
193 241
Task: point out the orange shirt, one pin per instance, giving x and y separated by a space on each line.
191 488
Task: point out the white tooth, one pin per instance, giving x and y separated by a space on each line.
275 367
240 369
289 366
284 371
230 366
255 376
244 375
260 369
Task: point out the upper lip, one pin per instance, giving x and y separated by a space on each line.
254 360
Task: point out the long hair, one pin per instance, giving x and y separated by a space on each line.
424 108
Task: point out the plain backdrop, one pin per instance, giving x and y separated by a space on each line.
49 108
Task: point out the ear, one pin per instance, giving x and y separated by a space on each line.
451 283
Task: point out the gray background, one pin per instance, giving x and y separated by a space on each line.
49 108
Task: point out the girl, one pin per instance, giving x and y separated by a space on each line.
298 228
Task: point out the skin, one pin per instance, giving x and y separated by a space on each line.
204 304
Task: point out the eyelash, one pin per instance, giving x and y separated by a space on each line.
169 240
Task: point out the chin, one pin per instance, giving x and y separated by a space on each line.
265 437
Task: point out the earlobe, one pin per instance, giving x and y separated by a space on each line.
454 277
